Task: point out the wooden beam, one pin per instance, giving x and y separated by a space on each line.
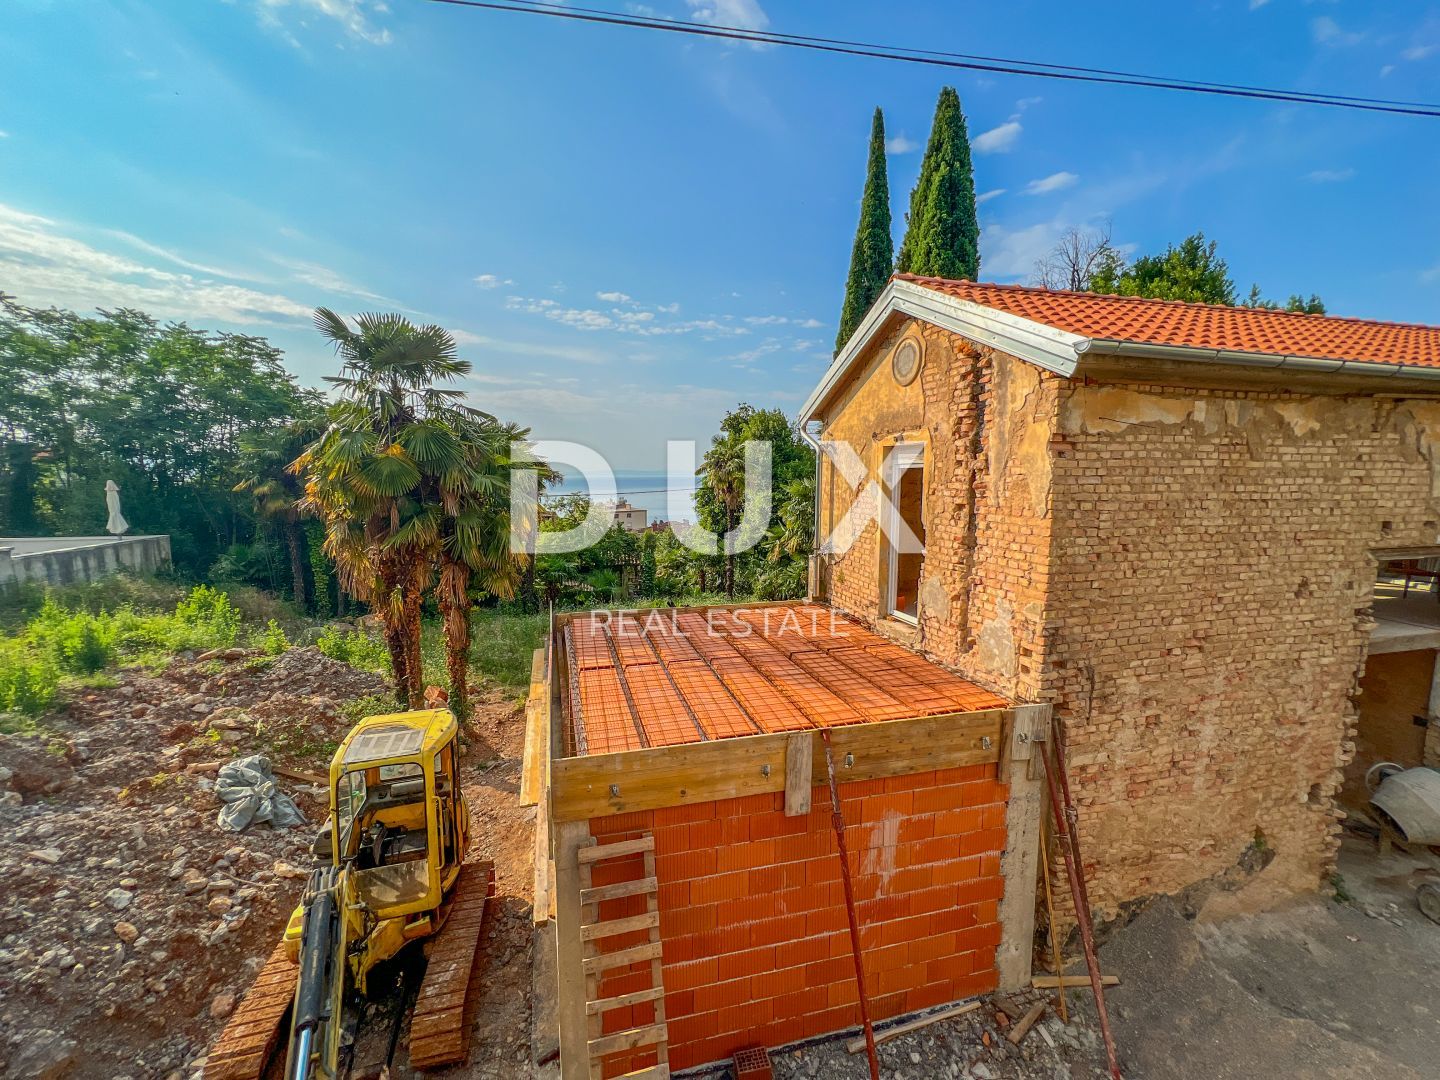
1026 725
1052 982
799 773
603 784
855 1045
537 743
570 838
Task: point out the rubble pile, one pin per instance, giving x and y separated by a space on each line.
130 921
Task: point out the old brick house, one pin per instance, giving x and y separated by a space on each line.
1167 520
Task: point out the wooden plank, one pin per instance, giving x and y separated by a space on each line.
616 927
799 773
600 852
603 784
593 965
540 904
1052 982
570 836
1027 1021
618 890
1019 863
654 1072
627 1040
639 997
854 1046
536 742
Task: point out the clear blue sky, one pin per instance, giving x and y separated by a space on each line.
631 231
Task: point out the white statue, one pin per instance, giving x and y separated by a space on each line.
117 523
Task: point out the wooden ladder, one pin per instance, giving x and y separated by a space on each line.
596 963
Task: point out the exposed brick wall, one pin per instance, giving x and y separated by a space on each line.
984 417
1205 553
1212 564
752 915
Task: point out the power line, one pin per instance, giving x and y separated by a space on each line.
963 61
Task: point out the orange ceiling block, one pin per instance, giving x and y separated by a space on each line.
727 673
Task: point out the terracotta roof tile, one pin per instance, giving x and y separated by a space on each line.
1207 326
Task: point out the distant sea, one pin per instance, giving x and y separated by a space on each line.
643 489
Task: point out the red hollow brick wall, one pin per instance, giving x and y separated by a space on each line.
752 912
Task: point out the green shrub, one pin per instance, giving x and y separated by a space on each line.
76 641
206 619
28 679
357 649
272 640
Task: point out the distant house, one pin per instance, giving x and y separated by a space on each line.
1168 520
632 518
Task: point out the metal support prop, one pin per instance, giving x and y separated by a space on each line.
1067 837
837 819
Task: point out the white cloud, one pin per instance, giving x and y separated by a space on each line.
1419 52
642 323
1256 5
492 281
901 144
1431 276
1329 176
1011 253
41 262
613 297
353 16
782 320
328 280
1326 31
572 353
4 134
998 140
986 196
1026 102
1386 70
1054 182
742 14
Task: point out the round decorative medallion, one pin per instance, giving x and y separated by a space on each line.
905 361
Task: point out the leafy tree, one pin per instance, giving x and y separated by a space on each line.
276 490
1311 306
722 494
159 408
942 238
873 253
1191 271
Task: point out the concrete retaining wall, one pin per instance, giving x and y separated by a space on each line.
59 560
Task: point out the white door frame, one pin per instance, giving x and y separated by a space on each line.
902 457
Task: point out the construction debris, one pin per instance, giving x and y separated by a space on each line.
249 793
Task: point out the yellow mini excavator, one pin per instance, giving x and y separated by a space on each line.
390 870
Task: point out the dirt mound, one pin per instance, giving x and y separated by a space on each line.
130 921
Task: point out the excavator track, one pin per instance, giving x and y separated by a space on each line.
440 1025
245 1046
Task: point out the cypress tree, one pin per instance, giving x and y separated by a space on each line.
874 250
942 237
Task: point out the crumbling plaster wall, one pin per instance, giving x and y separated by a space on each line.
1208 617
986 420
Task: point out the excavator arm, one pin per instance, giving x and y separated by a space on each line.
319 1010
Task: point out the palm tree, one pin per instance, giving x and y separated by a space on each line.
277 492
409 481
724 471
